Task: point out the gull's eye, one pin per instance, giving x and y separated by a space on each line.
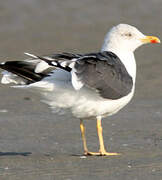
128 34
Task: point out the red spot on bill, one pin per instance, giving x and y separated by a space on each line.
154 41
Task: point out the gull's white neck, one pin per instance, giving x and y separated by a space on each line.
127 58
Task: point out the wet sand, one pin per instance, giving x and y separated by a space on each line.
36 144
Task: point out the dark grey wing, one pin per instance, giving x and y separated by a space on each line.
104 72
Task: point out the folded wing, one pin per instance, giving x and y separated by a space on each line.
103 72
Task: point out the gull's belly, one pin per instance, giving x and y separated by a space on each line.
86 108
85 103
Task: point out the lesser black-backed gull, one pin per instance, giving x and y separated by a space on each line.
93 85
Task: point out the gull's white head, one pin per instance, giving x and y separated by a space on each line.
124 37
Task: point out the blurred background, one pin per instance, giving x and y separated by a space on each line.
79 26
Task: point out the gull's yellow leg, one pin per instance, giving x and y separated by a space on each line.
86 152
102 150
82 129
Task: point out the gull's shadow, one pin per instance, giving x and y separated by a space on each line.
15 153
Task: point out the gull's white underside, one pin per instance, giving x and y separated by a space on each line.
58 92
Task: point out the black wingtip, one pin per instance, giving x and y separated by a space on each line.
22 69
